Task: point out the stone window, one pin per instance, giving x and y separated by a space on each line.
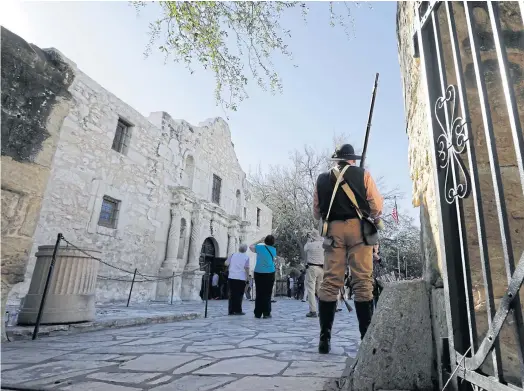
258 217
217 185
245 213
122 137
109 212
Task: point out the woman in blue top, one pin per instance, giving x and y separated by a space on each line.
264 275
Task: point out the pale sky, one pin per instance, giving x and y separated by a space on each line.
328 93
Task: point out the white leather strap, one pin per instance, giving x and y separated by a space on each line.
339 176
348 190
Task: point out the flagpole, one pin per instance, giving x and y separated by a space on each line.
398 246
398 258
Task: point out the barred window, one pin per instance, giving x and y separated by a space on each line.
217 184
122 137
258 217
109 212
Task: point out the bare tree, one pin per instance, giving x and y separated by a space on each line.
401 242
288 191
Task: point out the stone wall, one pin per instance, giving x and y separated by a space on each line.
419 153
162 157
35 100
415 105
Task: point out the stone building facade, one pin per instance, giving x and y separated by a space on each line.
420 155
35 101
147 192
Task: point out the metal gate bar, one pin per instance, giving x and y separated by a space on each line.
449 157
502 214
475 187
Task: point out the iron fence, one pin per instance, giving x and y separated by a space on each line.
472 69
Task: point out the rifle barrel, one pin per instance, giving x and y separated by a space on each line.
368 127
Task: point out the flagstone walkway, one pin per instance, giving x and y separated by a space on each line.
218 353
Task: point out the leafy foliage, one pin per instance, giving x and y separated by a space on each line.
225 36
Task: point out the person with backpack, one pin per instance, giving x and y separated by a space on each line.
347 200
264 274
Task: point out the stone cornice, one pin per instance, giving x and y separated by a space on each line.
183 197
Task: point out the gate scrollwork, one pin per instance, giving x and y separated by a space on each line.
450 144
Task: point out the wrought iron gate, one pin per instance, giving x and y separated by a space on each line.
472 65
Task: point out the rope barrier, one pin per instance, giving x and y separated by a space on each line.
146 277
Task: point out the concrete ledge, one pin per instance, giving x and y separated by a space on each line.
397 352
113 317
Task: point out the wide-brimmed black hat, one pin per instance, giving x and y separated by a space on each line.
345 152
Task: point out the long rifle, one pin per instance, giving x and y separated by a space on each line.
368 127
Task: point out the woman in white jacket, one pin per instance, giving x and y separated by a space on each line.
238 264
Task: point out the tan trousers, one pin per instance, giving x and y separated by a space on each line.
314 275
348 243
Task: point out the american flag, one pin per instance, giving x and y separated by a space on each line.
394 213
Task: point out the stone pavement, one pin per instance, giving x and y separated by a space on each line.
226 353
115 315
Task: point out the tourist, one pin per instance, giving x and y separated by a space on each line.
314 270
377 266
203 287
253 288
214 286
248 288
300 285
238 264
264 275
345 239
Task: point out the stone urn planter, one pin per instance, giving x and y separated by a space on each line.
71 294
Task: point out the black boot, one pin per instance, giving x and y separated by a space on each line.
364 315
326 312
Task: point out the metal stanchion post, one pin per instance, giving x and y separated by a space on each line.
46 287
172 287
131 290
207 286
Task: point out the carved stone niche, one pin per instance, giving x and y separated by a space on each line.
71 294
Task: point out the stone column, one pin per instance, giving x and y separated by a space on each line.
170 264
173 239
192 276
195 240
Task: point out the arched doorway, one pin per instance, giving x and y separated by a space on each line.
212 264
207 253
